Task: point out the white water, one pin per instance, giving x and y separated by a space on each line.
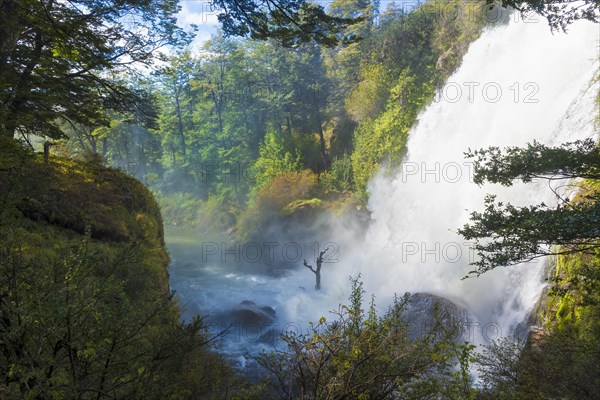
555 104
412 210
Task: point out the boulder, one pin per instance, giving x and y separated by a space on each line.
424 310
249 313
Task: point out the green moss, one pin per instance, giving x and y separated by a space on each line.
302 204
80 196
575 290
50 207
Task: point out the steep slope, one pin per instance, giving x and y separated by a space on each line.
86 310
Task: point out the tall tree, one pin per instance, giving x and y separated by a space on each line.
289 22
59 59
173 82
505 234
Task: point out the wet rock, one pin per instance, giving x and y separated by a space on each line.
249 313
425 310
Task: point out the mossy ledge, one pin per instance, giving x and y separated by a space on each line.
83 196
86 310
54 204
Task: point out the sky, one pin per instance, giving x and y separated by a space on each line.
200 13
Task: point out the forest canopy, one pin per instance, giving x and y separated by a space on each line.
62 60
286 113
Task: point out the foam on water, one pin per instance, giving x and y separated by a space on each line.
553 74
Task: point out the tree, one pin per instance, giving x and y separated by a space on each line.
558 364
62 60
317 271
345 61
289 22
176 98
85 317
311 89
507 235
275 159
559 13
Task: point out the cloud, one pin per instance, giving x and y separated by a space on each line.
201 14
198 12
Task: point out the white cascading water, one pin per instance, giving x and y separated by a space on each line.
519 83
547 94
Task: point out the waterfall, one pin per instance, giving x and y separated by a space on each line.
517 83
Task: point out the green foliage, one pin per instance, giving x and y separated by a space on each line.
575 288
456 27
290 23
407 58
86 309
186 209
560 359
274 160
62 60
344 63
384 138
559 364
369 96
88 314
286 193
361 355
580 159
339 177
521 234
240 113
559 14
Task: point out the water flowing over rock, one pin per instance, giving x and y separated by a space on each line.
517 83
249 313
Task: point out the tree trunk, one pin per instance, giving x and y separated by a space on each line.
322 145
317 271
318 278
180 128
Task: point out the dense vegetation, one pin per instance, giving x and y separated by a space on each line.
242 133
361 355
242 118
86 311
568 315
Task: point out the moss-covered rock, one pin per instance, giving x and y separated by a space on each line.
84 196
53 205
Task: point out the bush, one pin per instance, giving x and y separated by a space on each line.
360 355
339 176
271 201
